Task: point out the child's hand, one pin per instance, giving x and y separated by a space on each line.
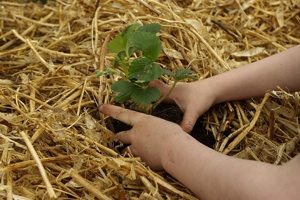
192 98
148 137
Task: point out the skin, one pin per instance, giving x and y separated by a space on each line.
249 81
211 175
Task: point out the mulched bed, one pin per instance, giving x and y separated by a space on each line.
56 145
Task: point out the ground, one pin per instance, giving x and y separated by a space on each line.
55 144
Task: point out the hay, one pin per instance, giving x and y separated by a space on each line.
54 143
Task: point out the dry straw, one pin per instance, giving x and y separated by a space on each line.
55 144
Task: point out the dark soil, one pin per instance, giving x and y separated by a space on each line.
172 112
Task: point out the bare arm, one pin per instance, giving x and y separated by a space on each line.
209 174
252 80
212 175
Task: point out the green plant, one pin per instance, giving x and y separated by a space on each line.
137 49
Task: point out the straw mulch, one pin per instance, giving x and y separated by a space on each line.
55 144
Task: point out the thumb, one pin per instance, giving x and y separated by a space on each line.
164 88
189 120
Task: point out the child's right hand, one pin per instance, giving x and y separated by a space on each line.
192 98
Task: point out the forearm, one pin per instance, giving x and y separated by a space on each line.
254 79
211 175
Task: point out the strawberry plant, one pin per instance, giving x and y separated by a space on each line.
136 50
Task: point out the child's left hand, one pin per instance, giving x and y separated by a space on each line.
148 137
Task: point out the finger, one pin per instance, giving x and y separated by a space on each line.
124 137
127 116
189 120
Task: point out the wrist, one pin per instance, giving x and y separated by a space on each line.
219 88
210 89
169 152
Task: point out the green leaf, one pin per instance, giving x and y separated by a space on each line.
146 96
167 72
106 72
150 28
100 73
144 70
126 34
130 29
117 44
183 74
123 90
148 43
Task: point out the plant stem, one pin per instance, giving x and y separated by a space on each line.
164 97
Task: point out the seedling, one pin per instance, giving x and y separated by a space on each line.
137 50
